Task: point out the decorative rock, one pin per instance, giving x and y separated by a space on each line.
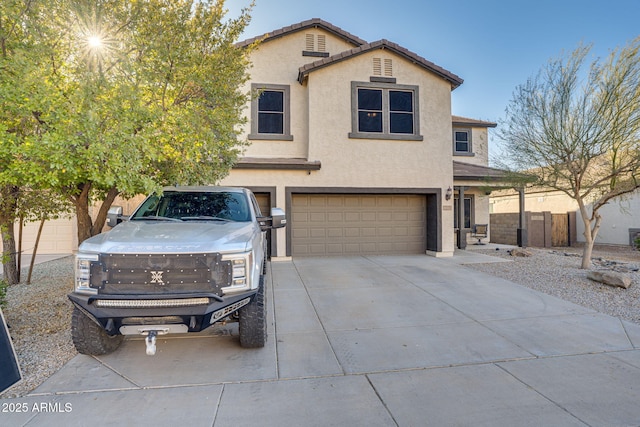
610 278
520 252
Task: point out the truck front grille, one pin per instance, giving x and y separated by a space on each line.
124 274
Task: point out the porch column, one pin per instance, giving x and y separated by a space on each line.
522 236
462 232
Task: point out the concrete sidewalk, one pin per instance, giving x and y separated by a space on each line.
368 341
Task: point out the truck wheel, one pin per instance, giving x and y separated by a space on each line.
253 320
89 338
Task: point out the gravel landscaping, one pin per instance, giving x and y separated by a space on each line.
39 318
557 272
39 314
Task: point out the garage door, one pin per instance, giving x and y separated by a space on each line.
345 224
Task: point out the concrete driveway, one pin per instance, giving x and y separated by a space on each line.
368 341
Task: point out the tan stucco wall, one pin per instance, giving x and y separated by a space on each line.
277 62
479 145
545 201
321 122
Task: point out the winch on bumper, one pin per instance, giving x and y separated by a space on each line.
142 315
197 312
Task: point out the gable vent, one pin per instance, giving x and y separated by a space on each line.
309 45
315 45
322 43
377 67
388 68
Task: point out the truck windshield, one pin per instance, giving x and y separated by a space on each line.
201 206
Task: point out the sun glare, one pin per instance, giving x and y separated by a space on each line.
94 42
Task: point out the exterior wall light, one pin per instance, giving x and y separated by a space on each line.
448 194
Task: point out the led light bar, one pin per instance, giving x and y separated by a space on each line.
153 303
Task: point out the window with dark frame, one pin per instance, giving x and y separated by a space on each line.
384 111
369 110
400 111
462 141
270 112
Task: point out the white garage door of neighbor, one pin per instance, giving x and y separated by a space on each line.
358 224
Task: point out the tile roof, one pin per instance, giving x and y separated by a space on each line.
454 80
301 26
457 120
467 171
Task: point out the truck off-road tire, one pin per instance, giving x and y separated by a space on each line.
90 338
253 320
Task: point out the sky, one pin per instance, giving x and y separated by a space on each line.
494 45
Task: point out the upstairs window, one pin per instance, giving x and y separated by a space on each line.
462 141
270 116
271 112
384 111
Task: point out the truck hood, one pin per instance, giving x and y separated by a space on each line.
172 237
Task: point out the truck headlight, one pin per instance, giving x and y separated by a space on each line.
83 273
241 272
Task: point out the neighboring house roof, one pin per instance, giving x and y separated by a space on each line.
464 121
466 171
311 23
306 69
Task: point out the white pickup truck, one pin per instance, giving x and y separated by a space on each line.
184 260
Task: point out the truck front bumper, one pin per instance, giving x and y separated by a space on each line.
197 311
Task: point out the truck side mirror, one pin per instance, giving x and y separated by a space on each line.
278 218
114 216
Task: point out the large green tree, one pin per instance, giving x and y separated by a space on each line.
576 127
153 96
27 98
106 97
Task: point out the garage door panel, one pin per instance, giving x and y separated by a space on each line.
334 216
317 217
317 233
352 217
358 224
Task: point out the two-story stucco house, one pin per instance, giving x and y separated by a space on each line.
357 142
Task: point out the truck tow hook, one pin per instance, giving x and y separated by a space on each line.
150 340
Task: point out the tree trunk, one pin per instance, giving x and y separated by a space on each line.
586 253
9 260
8 205
87 227
588 237
35 250
83 219
98 225
591 228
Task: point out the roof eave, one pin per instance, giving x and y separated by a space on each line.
454 80
301 26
